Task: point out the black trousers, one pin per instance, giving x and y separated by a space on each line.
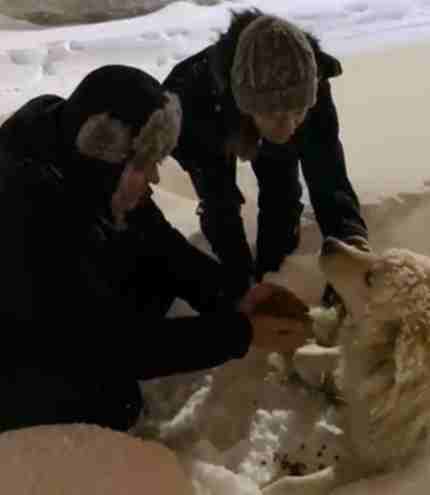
32 396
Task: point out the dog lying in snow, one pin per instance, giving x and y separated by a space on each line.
382 364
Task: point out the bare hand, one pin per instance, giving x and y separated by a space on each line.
279 334
279 318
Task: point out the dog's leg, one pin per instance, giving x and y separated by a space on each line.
319 483
313 363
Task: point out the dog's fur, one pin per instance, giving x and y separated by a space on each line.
384 366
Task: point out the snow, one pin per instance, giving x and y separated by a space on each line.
245 418
55 59
242 422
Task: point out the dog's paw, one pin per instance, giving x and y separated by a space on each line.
313 363
326 323
319 483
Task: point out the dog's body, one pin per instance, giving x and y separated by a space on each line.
382 363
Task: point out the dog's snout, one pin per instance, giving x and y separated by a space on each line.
329 246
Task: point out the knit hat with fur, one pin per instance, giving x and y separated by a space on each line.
274 68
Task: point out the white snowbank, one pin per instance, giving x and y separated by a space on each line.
52 12
245 418
85 460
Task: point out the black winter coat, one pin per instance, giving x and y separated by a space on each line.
82 305
211 118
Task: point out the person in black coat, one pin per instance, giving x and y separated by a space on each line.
262 93
90 266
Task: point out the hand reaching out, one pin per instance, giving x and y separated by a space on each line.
279 318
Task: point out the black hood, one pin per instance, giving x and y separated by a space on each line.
126 94
45 128
32 131
82 144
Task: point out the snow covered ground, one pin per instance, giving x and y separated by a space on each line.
34 59
242 416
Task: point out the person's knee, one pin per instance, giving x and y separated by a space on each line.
165 475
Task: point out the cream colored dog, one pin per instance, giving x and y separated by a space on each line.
384 365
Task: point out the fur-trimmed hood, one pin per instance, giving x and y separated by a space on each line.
117 113
111 107
118 120
112 110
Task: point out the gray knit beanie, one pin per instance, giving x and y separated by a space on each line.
274 68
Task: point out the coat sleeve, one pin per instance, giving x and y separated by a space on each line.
333 198
108 340
73 328
279 206
180 345
199 279
108 334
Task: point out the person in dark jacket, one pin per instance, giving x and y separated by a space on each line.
90 266
262 93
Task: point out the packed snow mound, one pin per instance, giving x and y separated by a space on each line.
243 424
53 12
85 460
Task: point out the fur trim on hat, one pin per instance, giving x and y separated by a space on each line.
159 136
104 138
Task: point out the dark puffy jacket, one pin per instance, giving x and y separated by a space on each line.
82 305
211 118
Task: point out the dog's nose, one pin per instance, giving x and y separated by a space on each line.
329 246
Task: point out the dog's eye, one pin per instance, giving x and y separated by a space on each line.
368 278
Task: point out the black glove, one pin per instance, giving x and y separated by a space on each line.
271 252
238 280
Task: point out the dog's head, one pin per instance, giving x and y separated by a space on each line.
390 279
350 271
386 367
